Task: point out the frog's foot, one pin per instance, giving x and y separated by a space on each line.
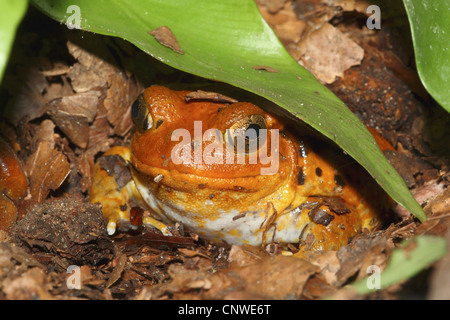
115 217
118 219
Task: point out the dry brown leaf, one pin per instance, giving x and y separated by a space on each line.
353 256
328 52
423 194
117 272
276 277
57 90
208 96
192 253
45 133
245 255
120 94
91 71
272 5
166 37
284 21
73 115
29 101
47 169
29 286
291 31
99 141
328 263
437 209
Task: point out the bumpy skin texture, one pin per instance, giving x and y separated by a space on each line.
318 200
13 185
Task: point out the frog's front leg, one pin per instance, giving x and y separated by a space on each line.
113 193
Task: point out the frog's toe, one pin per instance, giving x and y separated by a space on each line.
149 221
111 227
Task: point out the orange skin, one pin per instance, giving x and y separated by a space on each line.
230 201
13 185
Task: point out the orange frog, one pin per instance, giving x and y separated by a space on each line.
231 172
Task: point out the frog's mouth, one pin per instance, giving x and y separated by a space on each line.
190 182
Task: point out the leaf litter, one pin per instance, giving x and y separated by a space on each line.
74 105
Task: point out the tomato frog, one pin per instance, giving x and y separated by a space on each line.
232 173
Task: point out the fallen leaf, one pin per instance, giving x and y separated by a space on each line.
91 71
240 256
209 96
117 272
352 256
328 52
73 115
192 253
29 286
47 169
29 101
328 263
272 5
276 277
120 94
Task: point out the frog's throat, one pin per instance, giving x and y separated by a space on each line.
235 216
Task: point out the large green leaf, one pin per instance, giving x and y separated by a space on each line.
224 40
11 13
430 27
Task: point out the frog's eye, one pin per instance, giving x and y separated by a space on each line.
140 115
247 135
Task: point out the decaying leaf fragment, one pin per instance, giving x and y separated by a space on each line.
272 277
166 37
47 168
209 96
266 68
73 115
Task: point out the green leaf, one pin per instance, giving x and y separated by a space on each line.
223 41
11 13
414 256
430 28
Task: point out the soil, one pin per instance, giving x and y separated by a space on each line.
66 99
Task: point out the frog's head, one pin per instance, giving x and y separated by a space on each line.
205 139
